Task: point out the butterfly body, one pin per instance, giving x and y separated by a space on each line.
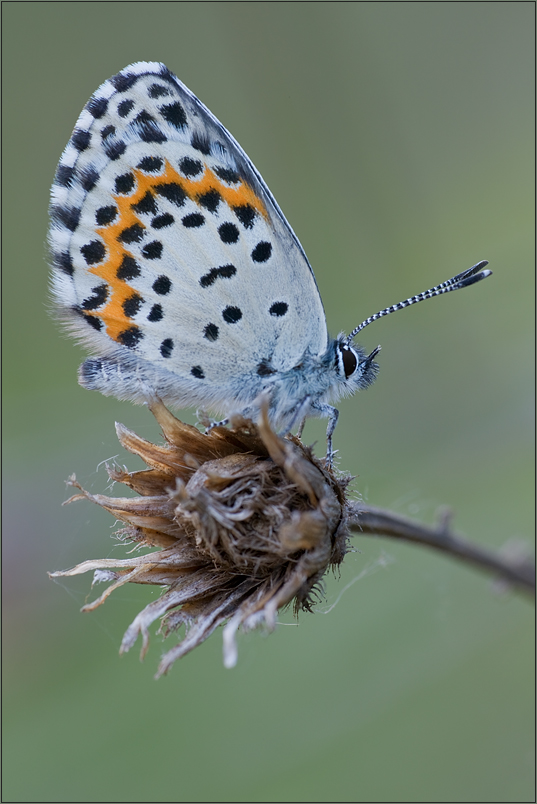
174 265
308 387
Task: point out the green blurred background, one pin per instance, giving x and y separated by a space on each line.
398 140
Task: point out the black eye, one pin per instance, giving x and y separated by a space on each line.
349 362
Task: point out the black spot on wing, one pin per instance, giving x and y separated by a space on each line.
132 305
174 114
210 200
151 164
97 107
228 175
93 321
161 221
125 107
132 234
89 178
64 263
231 314
153 250
105 215
172 192
144 118
223 272
100 295
67 216
157 91
123 81
193 221
211 332
146 205
156 313
166 347
190 167
114 149
130 337
228 232
201 143
81 139
148 128
279 309
262 251
124 183
129 269
246 214
93 252
64 175
162 285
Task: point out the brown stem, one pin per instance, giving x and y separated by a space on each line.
517 571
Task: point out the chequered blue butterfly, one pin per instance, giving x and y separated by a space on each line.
173 263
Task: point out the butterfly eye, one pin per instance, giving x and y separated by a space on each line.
349 362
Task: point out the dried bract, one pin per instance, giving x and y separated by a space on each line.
243 522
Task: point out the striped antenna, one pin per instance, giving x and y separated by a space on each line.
464 280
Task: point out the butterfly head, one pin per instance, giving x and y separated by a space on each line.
353 367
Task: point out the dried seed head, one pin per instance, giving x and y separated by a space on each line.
244 523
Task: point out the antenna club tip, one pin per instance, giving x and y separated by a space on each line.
473 277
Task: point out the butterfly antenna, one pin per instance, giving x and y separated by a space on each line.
463 280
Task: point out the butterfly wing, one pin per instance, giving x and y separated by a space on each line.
171 258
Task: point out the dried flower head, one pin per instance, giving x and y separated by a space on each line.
243 522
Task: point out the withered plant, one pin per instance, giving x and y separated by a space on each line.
240 523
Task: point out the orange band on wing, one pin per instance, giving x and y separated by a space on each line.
112 314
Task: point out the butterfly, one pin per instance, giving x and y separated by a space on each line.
174 265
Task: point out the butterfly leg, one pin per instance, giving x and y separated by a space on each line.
212 425
332 415
300 415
